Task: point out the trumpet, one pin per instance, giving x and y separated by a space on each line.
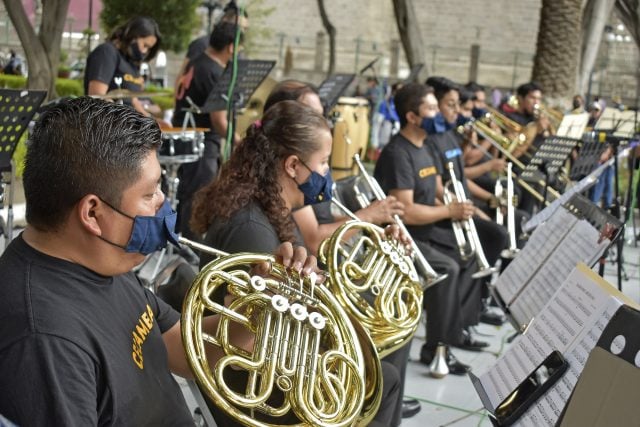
512 250
465 230
426 272
308 352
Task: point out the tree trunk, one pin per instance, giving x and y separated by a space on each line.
42 50
331 30
558 49
409 32
594 18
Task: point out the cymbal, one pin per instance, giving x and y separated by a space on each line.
125 94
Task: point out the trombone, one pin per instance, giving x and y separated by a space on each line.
502 144
465 230
422 265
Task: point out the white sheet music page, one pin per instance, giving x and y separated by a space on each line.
579 245
541 243
571 323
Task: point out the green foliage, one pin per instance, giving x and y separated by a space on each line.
69 87
12 82
176 18
19 154
163 101
256 31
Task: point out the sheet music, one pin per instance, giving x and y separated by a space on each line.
541 243
579 245
571 322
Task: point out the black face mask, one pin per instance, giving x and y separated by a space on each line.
135 52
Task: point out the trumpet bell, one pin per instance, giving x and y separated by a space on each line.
438 367
306 358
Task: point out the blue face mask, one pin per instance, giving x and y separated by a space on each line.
150 233
462 120
478 113
429 125
317 188
136 53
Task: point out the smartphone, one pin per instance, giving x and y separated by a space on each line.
529 390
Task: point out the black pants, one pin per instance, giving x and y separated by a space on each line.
469 289
399 360
441 301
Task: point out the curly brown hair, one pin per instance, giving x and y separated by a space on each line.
287 128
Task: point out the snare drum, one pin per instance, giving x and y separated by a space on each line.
181 146
350 135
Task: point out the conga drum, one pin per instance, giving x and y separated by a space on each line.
350 135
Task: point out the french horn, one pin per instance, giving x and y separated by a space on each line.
308 358
375 281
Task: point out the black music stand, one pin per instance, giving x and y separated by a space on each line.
588 157
250 75
17 108
332 89
548 159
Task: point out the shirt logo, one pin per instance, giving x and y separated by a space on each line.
140 333
135 80
454 152
426 172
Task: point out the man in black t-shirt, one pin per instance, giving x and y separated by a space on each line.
407 170
199 80
83 342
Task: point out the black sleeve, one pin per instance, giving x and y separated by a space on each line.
251 236
48 381
101 64
165 315
395 172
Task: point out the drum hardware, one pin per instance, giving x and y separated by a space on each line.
465 230
426 272
306 346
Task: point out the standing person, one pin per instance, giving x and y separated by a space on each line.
199 45
282 164
407 170
200 78
120 58
84 343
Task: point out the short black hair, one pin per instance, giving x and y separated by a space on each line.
223 35
466 95
83 146
408 98
288 90
441 86
474 87
526 88
139 26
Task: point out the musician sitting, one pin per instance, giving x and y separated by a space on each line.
83 343
248 207
201 76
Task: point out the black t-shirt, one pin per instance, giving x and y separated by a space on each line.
197 46
248 230
78 348
403 166
105 63
446 148
199 79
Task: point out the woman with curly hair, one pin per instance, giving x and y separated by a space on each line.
281 165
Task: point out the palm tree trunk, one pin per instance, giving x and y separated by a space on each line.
558 49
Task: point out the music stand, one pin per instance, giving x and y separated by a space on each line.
332 89
588 157
548 159
17 108
251 73
573 125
